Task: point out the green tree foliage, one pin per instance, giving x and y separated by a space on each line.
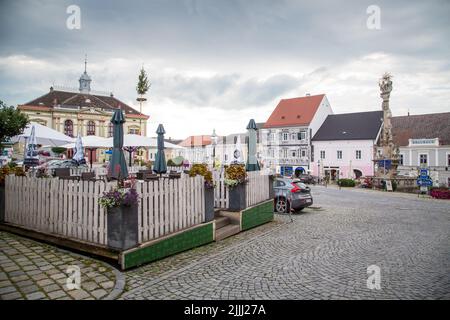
12 122
59 150
143 83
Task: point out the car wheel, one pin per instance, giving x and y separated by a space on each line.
282 205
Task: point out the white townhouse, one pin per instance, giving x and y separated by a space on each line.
423 142
345 144
286 135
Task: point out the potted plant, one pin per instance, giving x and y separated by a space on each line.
202 169
122 217
235 179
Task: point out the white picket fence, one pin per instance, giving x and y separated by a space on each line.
170 205
221 193
257 189
71 208
63 207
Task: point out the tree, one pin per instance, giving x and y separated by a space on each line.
143 83
59 150
12 122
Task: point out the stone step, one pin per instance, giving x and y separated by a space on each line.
227 231
222 222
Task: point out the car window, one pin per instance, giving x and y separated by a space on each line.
301 185
280 184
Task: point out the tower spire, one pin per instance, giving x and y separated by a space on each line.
85 80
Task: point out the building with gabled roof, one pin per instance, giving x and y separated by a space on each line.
286 135
83 111
424 142
345 144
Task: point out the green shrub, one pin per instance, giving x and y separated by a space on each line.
346 183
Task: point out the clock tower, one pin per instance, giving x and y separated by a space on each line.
85 80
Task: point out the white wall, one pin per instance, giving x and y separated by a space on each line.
348 148
321 114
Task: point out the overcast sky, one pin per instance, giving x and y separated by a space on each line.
218 63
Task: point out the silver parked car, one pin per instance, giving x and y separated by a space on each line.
291 194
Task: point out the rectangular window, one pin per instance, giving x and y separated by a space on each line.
322 154
423 159
294 154
448 160
358 154
401 160
285 136
303 153
301 135
226 157
339 154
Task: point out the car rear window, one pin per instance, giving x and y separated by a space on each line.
301 185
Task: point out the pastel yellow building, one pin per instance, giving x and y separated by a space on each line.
72 112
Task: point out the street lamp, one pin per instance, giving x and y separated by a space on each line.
214 143
318 171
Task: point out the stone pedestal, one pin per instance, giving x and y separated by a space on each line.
123 227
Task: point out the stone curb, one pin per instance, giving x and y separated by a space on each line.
119 285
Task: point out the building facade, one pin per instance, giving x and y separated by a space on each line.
423 142
345 144
73 112
286 135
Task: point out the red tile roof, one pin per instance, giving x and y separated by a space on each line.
294 112
196 141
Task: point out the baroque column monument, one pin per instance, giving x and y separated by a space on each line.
387 156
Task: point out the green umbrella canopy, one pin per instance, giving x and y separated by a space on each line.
252 162
160 160
118 166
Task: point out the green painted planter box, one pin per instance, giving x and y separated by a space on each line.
257 215
169 245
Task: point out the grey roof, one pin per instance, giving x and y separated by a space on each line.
421 126
350 126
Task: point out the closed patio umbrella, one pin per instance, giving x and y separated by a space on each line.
252 162
160 159
78 156
117 166
31 157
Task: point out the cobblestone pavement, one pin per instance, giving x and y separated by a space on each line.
31 270
323 254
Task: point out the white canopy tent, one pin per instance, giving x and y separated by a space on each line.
135 140
44 135
92 142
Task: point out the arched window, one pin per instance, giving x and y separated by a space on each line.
110 130
68 128
91 128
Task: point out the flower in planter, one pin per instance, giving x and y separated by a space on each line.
235 174
119 197
202 169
